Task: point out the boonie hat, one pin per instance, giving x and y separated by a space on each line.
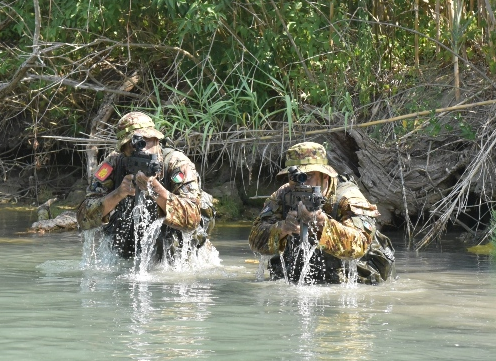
308 157
135 123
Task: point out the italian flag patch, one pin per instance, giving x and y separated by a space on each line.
103 172
178 177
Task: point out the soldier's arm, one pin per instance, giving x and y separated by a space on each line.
266 237
182 211
110 201
269 231
351 235
181 207
101 198
343 239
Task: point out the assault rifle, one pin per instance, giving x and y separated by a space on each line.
141 161
311 197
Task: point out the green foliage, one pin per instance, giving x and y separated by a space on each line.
227 208
202 17
466 130
212 109
172 8
201 109
241 64
8 66
490 51
435 126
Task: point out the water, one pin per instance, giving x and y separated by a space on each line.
51 308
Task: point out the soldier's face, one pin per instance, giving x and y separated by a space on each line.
317 179
151 145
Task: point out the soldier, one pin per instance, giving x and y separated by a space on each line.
343 228
173 193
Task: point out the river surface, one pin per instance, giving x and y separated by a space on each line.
54 307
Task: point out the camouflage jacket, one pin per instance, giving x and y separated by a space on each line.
349 232
183 205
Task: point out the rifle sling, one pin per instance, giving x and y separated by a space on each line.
167 154
119 172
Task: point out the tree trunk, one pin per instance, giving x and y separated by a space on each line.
102 117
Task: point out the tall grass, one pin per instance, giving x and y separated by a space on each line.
216 109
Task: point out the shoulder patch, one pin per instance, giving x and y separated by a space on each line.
104 171
266 209
266 212
178 177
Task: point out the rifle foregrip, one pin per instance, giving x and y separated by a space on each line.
137 192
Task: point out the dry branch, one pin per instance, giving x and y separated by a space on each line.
251 135
87 86
456 200
102 117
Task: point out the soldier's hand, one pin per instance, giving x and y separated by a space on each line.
142 180
290 224
311 217
126 188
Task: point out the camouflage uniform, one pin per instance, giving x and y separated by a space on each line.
348 233
183 205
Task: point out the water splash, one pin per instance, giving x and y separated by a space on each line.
191 258
308 251
284 269
351 273
147 233
145 259
262 265
97 250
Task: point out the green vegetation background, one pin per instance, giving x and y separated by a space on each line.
209 71
209 66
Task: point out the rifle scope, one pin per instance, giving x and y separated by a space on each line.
138 142
296 175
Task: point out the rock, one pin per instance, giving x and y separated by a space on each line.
229 190
65 221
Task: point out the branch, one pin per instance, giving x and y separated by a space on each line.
447 205
369 124
91 140
6 88
89 86
307 72
8 20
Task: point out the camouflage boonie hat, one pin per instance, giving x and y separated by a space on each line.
135 123
308 157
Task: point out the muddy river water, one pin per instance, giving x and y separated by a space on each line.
54 307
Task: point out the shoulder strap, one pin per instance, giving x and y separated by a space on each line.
334 213
119 171
167 154
345 182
